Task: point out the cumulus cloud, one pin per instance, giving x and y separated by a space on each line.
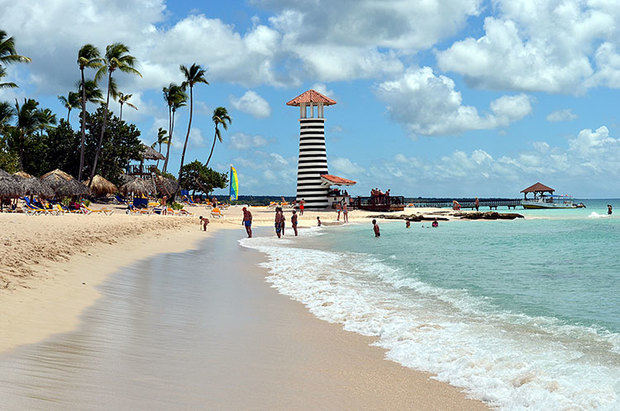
561 115
541 45
345 166
243 141
590 163
428 104
251 103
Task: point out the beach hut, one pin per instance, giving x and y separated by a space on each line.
33 186
64 185
9 187
137 186
101 187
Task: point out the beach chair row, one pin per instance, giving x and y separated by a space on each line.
44 208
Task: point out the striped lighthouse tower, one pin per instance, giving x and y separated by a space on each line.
312 163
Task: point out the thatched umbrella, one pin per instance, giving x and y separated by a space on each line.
9 186
149 153
33 186
166 186
101 187
64 185
137 186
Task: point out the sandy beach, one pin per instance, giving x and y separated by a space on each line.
51 268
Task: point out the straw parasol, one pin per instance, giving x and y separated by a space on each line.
64 185
101 187
137 186
32 186
166 186
149 153
9 186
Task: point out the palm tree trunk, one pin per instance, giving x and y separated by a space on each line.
159 151
100 143
83 127
68 113
121 113
212 147
170 125
189 126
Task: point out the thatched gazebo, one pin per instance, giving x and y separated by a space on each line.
166 186
64 185
101 187
149 153
137 186
9 187
33 186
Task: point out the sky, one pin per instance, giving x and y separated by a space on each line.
435 98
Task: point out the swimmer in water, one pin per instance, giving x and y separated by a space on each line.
609 209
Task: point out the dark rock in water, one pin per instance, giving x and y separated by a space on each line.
489 215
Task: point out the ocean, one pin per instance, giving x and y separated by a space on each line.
522 313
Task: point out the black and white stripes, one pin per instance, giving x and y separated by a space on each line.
312 163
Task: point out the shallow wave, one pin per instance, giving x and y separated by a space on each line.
509 360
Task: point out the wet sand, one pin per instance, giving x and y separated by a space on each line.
202 329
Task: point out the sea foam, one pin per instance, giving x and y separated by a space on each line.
510 361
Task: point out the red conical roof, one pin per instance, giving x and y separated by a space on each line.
538 188
311 96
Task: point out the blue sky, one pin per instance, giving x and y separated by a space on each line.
453 98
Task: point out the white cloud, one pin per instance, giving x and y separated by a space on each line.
541 45
252 103
243 141
428 104
561 115
345 166
322 88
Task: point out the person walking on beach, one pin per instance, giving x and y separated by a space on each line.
278 221
375 228
345 213
294 222
301 206
477 204
318 221
204 221
247 221
338 209
609 209
164 204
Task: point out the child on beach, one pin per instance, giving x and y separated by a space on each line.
345 213
375 227
204 221
294 222
318 221
301 207
247 221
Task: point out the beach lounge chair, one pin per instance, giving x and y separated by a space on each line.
120 199
88 210
216 213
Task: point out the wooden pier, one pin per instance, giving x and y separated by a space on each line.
492 203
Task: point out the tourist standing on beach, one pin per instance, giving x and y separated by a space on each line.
477 204
247 221
338 208
301 207
318 221
345 213
294 222
164 204
375 227
278 221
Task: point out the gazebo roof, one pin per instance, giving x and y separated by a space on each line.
538 188
149 153
335 180
311 96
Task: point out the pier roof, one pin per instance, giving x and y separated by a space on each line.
538 188
335 180
311 96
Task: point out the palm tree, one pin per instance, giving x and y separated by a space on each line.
28 120
176 98
117 57
162 138
6 114
46 120
8 54
193 75
5 85
71 101
88 57
124 99
92 92
220 117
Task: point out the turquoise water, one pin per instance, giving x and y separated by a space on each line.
522 313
